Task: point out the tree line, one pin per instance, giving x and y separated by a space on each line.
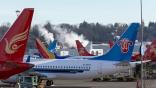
94 32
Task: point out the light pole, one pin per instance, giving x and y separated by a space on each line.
142 72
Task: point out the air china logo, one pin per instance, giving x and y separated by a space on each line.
13 45
125 43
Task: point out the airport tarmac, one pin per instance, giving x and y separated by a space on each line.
90 84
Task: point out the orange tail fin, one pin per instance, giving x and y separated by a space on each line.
13 43
43 51
81 49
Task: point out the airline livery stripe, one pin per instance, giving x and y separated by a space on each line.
61 70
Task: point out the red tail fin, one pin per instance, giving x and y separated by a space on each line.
150 52
81 50
13 43
111 43
43 51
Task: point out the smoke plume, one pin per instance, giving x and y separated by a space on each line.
68 38
62 35
49 37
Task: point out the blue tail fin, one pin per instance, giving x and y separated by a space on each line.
52 46
123 48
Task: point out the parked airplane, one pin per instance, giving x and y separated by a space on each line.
81 67
111 43
150 53
45 53
52 46
13 45
50 52
82 50
52 49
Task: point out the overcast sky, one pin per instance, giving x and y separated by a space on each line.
76 11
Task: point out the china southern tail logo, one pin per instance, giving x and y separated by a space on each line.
125 44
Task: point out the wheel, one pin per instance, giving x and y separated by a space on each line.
49 82
17 85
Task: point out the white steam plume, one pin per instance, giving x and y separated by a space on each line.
63 35
47 35
69 37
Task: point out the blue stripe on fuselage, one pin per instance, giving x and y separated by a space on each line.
60 70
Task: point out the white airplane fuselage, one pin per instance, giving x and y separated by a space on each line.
75 68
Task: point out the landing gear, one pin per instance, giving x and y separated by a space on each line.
49 82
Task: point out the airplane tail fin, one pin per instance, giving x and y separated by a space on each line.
111 43
150 53
52 46
43 51
13 43
153 42
123 48
81 49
